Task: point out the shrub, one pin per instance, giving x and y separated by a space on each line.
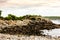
11 17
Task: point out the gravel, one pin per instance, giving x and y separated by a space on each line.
24 37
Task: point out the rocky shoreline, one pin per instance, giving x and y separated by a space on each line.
29 27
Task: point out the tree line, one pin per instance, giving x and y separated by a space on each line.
13 17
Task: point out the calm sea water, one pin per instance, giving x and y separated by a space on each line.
56 21
53 32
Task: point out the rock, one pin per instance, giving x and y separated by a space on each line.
30 26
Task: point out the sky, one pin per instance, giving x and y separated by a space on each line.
34 7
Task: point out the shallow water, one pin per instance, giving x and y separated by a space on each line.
53 32
56 21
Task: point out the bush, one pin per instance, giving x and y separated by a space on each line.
11 17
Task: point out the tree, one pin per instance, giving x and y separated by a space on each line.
0 13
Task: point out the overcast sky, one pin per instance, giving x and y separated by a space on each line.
36 7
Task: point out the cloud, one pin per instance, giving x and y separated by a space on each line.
29 3
3 1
